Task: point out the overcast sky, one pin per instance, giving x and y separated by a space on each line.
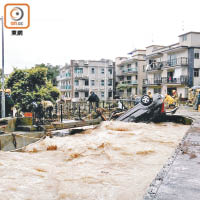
61 30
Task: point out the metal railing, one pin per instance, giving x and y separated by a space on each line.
152 81
177 62
130 70
181 61
78 110
130 82
81 88
155 66
166 80
179 80
66 87
80 76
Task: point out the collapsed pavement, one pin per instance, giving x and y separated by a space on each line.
179 178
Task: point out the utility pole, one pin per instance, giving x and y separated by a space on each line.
2 76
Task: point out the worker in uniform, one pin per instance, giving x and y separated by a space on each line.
149 94
197 101
190 97
175 97
170 101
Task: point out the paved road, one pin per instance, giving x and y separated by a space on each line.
180 177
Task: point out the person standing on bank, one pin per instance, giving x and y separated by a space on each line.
9 103
93 98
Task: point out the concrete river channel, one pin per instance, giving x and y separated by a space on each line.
113 161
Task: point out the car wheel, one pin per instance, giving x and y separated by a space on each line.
146 100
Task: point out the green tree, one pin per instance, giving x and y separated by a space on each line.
52 72
31 85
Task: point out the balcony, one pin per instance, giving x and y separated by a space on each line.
68 75
152 81
130 82
129 71
182 61
82 88
155 66
182 80
65 87
63 77
127 84
80 76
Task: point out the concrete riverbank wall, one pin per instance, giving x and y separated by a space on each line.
19 132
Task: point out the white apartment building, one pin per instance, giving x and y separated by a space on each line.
176 66
82 76
130 73
64 81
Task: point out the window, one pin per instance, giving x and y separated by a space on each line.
78 70
121 78
92 71
129 90
76 94
121 67
110 94
102 70
144 68
86 82
184 37
157 76
172 61
196 55
157 90
86 94
102 82
68 87
68 74
128 78
110 71
196 72
92 83
136 77
144 90
109 82
76 82
102 94
136 64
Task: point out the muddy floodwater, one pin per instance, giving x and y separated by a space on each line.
116 161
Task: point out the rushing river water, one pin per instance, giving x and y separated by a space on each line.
115 161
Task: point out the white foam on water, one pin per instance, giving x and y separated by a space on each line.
116 160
